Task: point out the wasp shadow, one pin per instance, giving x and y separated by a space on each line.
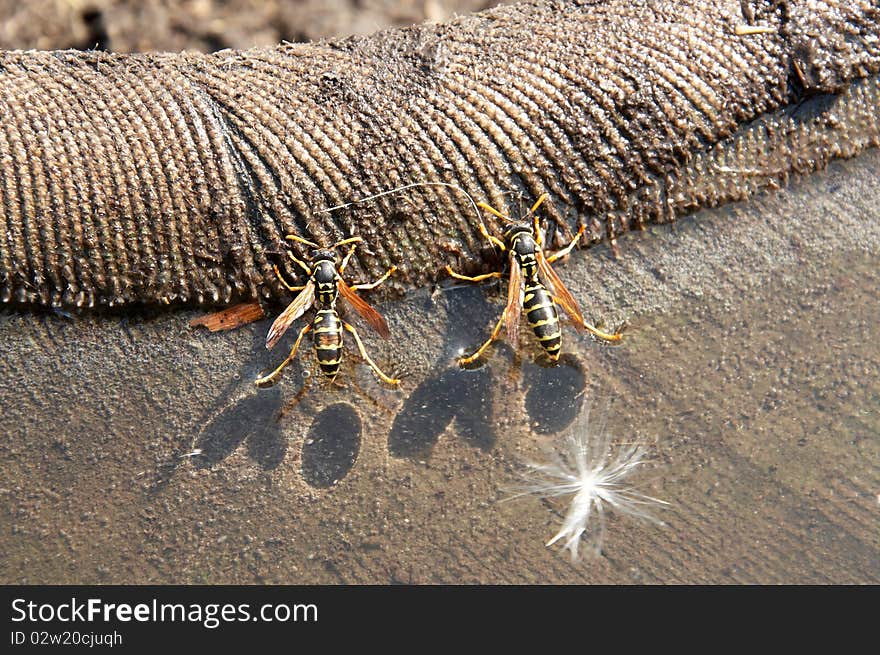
222 425
251 419
332 445
553 392
455 394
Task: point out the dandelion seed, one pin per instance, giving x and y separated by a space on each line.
594 470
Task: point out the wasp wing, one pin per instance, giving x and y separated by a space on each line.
514 300
294 310
230 318
372 317
561 295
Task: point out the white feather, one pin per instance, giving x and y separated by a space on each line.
589 466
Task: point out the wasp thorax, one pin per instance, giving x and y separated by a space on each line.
324 272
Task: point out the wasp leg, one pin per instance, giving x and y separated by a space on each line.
355 241
267 379
464 361
562 253
616 336
288 286
478 278
300 263
494 240
373 285
347 257
363 351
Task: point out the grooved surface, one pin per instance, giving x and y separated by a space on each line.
173 178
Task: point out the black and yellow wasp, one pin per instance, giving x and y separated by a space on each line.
323 288
534 286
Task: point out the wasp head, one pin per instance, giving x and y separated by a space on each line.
520 237
323 254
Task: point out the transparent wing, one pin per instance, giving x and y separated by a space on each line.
370 315
558 290
514 301
294 310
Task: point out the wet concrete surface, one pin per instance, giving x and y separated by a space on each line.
138 450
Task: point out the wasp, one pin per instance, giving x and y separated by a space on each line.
323 288
533 285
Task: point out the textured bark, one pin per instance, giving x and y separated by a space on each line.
173 178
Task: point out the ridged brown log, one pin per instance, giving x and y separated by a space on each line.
173 178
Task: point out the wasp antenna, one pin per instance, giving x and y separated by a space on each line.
492 210
294 237
345 242
538 202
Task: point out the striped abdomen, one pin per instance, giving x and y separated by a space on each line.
327 335
543 318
